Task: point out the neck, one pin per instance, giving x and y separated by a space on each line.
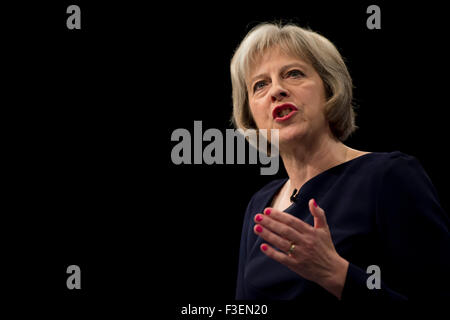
303 161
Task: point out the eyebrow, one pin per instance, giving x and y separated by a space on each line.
284 68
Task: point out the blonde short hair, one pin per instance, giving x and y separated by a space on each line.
309 46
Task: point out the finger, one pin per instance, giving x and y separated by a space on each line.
288 219
277 241
277 255
279 228
320 221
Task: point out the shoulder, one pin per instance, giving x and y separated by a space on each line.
397 157
407 196
391 172
404 177
385 162
395 168
385 157
398 166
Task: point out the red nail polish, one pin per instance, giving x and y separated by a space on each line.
258 229
314 203
264 247
258 217
267 212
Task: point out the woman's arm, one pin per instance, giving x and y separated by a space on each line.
240 288
413 237
414 232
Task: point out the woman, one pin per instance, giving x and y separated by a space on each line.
362 225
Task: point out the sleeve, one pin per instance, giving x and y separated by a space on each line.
240 287
412 236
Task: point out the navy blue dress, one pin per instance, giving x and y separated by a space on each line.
383 210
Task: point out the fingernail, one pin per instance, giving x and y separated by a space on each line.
267 212
264 247
258 229
258 217
314 202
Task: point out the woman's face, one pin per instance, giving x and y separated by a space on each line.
286 93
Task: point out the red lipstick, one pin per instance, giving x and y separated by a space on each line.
283 112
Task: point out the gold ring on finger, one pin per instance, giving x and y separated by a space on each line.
291 249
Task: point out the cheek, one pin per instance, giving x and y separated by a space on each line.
258 111
314 97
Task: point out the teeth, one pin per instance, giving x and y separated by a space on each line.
284 112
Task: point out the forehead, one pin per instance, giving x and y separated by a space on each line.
272 56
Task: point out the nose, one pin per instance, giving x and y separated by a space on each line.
278 93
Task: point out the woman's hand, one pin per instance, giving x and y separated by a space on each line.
308 251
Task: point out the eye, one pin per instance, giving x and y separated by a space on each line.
259 85
295 73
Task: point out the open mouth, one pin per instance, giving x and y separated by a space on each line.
284 112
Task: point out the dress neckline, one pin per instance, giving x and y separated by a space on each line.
345 163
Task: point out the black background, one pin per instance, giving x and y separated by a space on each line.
88 117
